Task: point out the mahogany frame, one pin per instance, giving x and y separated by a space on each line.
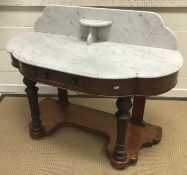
127 134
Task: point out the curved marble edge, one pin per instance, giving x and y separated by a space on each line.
58 68
160 36
88 75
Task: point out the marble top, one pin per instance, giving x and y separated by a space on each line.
104 60
120 44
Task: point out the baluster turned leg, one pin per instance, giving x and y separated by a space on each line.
63 96
36 128
123 104
138 110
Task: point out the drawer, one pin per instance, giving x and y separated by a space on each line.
66 80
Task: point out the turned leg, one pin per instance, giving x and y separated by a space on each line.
123 104
36 127
63 96
138 110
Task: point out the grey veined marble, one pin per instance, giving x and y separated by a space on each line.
99 43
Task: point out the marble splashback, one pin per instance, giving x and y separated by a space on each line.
128 26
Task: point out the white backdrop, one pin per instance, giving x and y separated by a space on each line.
107 3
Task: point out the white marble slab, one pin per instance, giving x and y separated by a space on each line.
128 26
105 60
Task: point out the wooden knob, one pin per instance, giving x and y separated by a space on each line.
46 74
75 81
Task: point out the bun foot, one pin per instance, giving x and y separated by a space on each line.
36 134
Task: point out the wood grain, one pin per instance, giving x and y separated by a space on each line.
125 138
54 116
103 87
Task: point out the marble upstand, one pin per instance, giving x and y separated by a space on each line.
104 52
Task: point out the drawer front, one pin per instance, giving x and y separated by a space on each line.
66 80
105 87
85 84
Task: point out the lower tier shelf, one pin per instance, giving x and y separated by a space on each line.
55 115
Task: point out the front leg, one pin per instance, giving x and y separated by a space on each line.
119 154
36 128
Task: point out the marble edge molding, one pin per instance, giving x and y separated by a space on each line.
91 76
167 31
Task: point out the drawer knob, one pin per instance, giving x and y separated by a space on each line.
45 74
75 81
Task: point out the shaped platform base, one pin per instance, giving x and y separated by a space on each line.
55 115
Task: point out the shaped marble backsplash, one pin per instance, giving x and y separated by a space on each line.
128 26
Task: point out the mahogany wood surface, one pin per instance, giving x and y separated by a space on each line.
32 94
138 110
103 87
126 134
123 115
54 116
63 96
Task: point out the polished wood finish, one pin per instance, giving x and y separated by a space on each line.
55 116
123 104
63 96
36 127
138 110
125 138
103 87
